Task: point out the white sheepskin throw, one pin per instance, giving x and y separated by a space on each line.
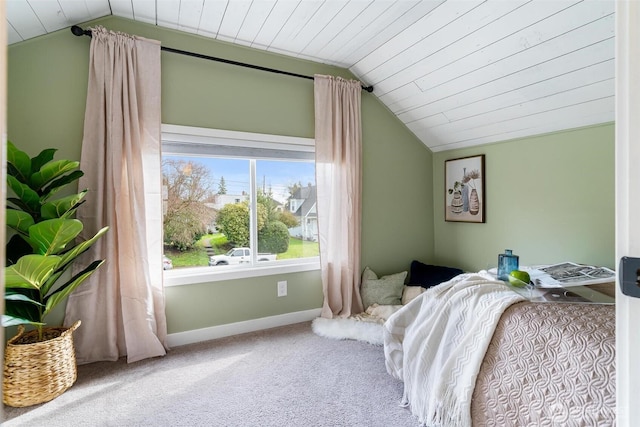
352 329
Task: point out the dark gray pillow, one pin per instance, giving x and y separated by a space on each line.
427 275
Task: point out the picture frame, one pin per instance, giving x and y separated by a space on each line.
464 189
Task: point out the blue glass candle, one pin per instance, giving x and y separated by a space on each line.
507 262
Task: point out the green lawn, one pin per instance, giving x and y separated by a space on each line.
191 258
198 255
217 241
300 249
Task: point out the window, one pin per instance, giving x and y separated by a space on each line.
227 193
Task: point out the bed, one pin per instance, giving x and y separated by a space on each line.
504 361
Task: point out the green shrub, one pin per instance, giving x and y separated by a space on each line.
183 229
274 238
288 219
233 222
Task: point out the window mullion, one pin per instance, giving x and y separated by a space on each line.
284 162
253 212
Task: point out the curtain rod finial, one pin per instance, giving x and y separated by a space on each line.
78 31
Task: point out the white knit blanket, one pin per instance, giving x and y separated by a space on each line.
436 344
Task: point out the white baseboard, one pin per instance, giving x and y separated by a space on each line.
221 331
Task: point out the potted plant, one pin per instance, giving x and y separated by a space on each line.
39 254
457 187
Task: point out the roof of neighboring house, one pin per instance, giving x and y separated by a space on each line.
308 194
274 202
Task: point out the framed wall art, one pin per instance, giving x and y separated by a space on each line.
464 183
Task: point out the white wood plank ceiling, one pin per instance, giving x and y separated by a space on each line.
458 73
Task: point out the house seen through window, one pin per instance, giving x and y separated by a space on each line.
233 203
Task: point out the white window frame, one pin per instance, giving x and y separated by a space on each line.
174 136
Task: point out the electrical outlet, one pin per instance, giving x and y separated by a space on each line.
282 288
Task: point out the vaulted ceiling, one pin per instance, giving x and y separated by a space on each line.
458 73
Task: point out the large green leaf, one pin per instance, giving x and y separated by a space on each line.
60 207
49 190
41 159
51 171
20 161
82 246
30 198
19 220
72 211
68 257
31 271
8 320
11 295
51 236
21 307
64 290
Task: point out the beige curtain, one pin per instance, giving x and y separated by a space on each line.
338 138
121 306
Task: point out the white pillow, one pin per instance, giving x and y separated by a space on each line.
410 292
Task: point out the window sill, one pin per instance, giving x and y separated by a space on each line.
191 276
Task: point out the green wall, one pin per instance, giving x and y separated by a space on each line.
46 97
549 198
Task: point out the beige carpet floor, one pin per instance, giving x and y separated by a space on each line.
284 376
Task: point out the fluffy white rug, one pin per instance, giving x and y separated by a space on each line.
342 329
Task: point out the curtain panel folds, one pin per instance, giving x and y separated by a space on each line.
121 306
338 136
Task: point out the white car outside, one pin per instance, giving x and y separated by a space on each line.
238 256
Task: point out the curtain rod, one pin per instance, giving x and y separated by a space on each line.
78 31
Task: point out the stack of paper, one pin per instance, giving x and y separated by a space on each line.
568 274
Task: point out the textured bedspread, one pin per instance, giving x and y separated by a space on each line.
436 344
549 365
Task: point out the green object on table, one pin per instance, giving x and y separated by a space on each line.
519 278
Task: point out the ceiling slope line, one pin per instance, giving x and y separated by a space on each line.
517 53
484 46
445 24
354 20
519 88
501 137
324 28
253 40
295 30
539 113
452 43
524 105
268 43
393 23
496 80
386 42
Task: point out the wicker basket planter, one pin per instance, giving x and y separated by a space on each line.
37 372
